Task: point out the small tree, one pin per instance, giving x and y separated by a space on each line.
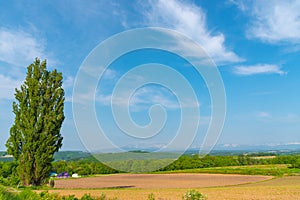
39 114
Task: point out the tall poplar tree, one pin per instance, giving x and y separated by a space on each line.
39 114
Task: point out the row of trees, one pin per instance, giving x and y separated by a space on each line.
39 114
90 166
194 162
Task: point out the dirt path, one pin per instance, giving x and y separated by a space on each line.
158 181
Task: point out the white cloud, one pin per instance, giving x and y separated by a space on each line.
264 114
274 21
284 118
240 4
20 48
7 87
150 96
258 69
68 82
104 99
94 71
190 20
143 98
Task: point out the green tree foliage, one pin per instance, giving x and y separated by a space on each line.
82 167
296 163
39 114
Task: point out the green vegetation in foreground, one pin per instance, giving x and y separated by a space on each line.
13 194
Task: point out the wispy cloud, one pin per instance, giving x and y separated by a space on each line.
150 96
7 87
68 82
190 20
258 69
263 93
273 21
284 118
107 73
146 97
240 4
291 118
20 48
264 115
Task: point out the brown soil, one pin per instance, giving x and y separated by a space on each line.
285 188
157 181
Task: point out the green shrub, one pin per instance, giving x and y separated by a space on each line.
193 195
151 196
4 181
70 197
6 195
28 194
102 197
296 163
86 197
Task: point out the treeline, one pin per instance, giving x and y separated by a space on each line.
193 162
82 167
91 166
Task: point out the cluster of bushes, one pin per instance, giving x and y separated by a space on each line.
296 163
7 168
6 194
7 175
193 195
189 195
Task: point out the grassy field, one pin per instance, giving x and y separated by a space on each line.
269 170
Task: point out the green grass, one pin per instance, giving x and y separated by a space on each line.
7 193
268 170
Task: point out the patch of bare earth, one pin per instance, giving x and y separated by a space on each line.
157 181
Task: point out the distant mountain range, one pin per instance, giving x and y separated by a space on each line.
220 149
260 147
226 147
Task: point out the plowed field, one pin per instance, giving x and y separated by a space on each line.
158 181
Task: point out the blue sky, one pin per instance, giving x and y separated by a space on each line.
255 45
